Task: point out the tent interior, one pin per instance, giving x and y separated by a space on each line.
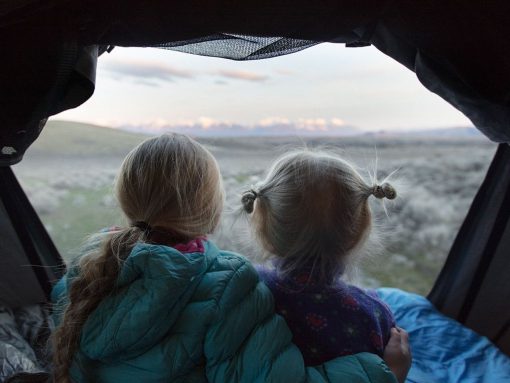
458 50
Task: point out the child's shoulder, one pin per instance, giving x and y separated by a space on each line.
229 261
227 255
364 294
231 278
228 258
370 301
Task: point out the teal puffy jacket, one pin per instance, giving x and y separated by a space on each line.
195 317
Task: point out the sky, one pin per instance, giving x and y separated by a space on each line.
327 86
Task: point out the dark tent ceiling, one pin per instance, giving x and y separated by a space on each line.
458 49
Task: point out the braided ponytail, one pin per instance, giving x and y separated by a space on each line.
96 280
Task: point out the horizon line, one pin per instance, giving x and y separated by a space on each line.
196 127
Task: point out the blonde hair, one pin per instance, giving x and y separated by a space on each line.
169 182
311 212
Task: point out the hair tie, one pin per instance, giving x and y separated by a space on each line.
384 191
248 200
143 226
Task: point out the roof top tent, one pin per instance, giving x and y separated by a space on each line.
459 50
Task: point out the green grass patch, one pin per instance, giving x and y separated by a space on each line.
81 212
67 138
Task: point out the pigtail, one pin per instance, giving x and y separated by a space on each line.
248 200
96 280
384 191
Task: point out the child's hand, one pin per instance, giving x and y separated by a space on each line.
397 353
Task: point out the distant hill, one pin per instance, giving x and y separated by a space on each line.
68 138
454 132
271 127
300 128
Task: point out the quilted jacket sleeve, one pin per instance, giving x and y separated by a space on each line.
249 343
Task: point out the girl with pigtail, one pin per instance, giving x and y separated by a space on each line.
157 301
311 215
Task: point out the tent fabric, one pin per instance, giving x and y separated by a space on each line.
444 351
29 261
459 49
18 282
239 47
33 89
479 294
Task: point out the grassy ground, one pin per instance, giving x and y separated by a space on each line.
69 172
79 214
74 139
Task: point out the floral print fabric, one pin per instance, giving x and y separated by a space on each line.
330 321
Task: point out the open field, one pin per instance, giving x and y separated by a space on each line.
68 175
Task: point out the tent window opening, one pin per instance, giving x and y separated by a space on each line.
357 103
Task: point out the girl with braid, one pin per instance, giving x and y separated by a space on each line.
310 215
156 301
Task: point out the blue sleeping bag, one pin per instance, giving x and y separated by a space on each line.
443 350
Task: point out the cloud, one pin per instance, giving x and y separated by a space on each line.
153 84
146 70
285 72
152 73
241 75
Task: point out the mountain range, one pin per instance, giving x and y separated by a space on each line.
283 127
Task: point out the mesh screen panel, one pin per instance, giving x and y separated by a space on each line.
239 47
